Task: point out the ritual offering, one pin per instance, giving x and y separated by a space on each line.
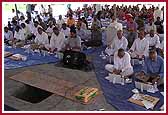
86 94
18 57
146 101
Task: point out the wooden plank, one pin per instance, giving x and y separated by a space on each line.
57 86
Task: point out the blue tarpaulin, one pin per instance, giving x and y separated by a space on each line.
32 59
117 95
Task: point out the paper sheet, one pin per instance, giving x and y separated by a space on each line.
147 104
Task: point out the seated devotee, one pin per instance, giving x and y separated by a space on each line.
159 26
161 49
45 18
30 25
65 30
8 36
22 20
80 32
41 40
57 40
73 42
150 26
96 37
27 32
42 24
140 46
19 38
83 25
111 31
132 31
70 21
122 65
51 18
84 21
35 28
49 30
60 21
96 22
153 38
119 42
153 70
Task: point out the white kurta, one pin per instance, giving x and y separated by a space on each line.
42 39
57 41
8 35
19 35
140 47
66 32
122 64
60 22
153 41
117 44
111 31
50 30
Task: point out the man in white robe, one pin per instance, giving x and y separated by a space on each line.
140 47
122 65
119 42
57 40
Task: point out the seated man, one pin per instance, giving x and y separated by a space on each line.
161 49
122 65
140 46
19 38
65 30
8 36
57 40
80 32
96 37
153 38
153 70
41 40
119 42
27 32
73 42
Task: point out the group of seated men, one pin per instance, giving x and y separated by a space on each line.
63 36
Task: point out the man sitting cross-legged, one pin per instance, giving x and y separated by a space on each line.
41 40
122 65
153 70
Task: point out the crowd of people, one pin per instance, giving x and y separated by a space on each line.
131 33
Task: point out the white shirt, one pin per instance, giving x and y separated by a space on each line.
42 39
50 30
19 35
140 47
26 31
8 35
111 31
122 63
66 32
153 41
150 27
161 46
120 43
60 22
57 41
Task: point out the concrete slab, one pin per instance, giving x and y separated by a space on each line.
53 102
